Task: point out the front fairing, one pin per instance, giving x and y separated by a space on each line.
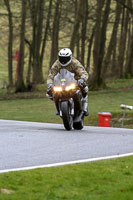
63 79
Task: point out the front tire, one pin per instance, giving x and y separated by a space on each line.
66 116
79 125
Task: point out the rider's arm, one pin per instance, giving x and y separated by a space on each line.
80 70
52 73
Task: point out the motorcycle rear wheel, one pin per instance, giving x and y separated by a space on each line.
66 116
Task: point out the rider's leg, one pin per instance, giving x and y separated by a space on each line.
85 100
85 105
77 103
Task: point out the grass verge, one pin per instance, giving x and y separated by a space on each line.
103 180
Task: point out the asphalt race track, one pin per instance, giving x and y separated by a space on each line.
29 144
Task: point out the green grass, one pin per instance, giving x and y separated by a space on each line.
38 110
110 101
120 83
103 180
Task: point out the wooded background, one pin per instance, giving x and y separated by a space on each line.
99 33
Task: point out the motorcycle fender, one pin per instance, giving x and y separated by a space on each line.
71 104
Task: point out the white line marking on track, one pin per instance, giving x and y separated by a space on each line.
66 163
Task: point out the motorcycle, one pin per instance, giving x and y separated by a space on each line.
68 99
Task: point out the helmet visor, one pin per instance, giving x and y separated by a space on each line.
64 60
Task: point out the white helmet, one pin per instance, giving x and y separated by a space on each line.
65 56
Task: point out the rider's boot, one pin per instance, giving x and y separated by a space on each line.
57 113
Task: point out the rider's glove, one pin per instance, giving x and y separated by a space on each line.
81 82
49 86
49 89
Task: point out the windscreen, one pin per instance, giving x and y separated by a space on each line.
64 76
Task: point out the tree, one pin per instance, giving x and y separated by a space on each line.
129 66
46 31
89 49
76 25
37 23
99 44
113 41
10 43
122 42
55 33
20 86
129 54
84 29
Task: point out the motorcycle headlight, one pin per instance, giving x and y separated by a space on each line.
70 87
57 89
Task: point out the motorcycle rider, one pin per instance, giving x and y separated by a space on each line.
65 60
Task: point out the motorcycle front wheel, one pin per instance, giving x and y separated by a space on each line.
66 116
79 125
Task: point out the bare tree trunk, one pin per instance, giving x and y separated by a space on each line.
37 37
114 63
89 50
55 34
129 54
78 47
46 31
10 43
122 42
77 43
20 86
129 66
28 77
102 43
76 25
84 28
97 35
